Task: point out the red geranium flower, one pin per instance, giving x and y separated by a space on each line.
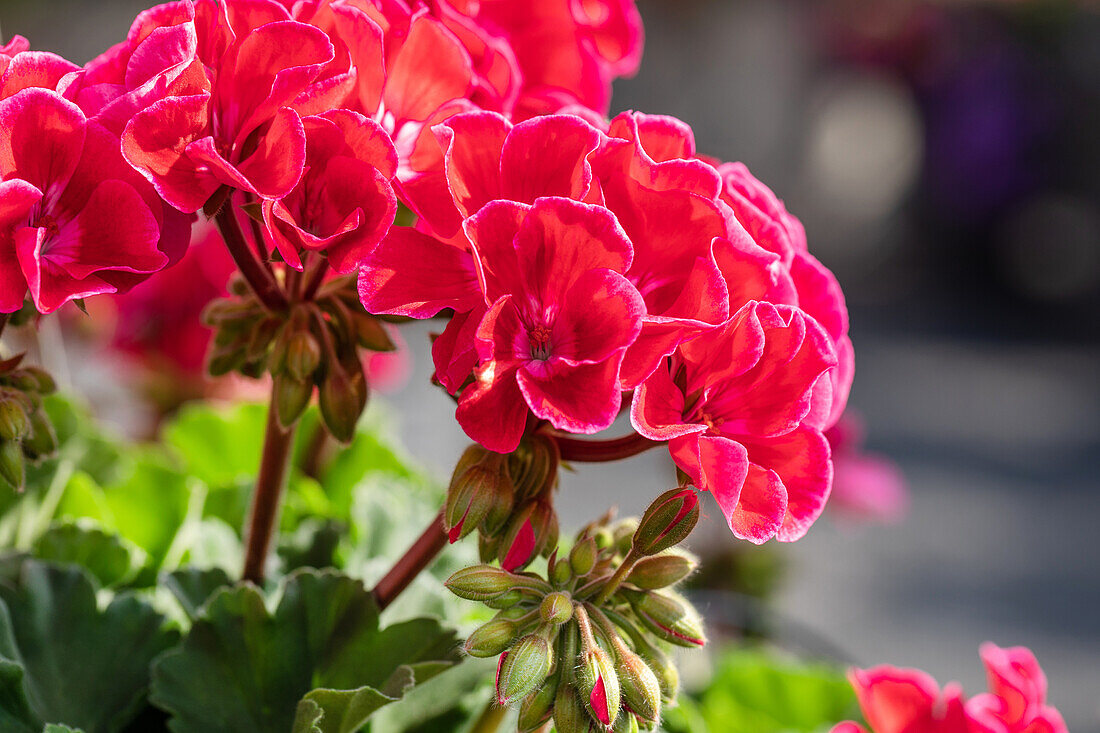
560 317
733 404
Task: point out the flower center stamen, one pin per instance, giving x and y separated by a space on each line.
540 342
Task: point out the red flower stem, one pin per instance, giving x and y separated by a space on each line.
599 451
259 278
430 543
314 277
267 497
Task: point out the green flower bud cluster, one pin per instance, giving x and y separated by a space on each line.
584 647
508 499
315 344
25 430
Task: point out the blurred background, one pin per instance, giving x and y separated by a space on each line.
945 159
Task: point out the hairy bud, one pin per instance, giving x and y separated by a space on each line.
342 398
582 557
570 715
523 668
640 687
480 583
667 521
670 617
598 683
556 608
14 422
291 397
303 354
12 471
492 638
537 706
661 571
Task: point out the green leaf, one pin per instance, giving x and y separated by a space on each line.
243 668
55 728
219 447
108 557
753 692
346 711
311 545
192 587
64 659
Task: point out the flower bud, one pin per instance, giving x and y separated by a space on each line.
661 571
505 601
491 639
569 714
669 617
470 499
582 557
625 723
12 471
597 682
536 707
661 666
480 583
640 688
667 521
342 398
34 379
556 608
13 419
291 397
41 441
303 354
531 530
371 334
561 573
623 534
522 669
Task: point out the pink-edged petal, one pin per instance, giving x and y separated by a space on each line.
848 727
760 507
13 284
431 68
658 338
548 156
454 352
560 239
599 316
41 136
726 351
580 399
34 69
362 138
364 39
715 464
1015 679
274 169
657 411
661 137
50 286
271 66
412 274
17 198
492 410
165 49
819 294
492 231
802 460
752 272
155 143
895 700
114 231
473 142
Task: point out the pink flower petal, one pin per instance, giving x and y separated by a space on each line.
41 138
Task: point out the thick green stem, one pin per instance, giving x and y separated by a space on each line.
267 497
490 719
616 580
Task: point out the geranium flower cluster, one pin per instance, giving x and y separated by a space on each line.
586 265
587 260
909 700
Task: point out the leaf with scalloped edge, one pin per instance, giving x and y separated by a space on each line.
244 668
64 659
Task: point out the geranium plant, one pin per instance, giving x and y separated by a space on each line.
601 289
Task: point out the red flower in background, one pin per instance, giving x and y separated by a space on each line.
865 486
909 701
737 406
